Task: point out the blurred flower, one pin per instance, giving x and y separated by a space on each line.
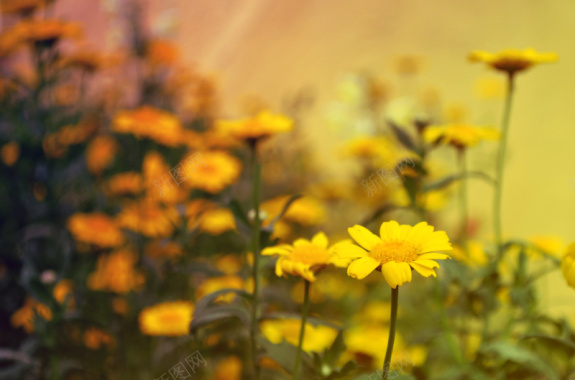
512 60
331 190
120 306
167 319
95 228
408 65
229 264
95 338
150 122
489 88
551 245
159 183
161 53
10 153
163 249
214 284
568 265
86 60
24 317
304 258
220 170
115 272
64 290
306 210
149 218
317 338
475 256
261 126
399 249
55 144
42 31
124 184
367 147
229 369
100 153
216 221
364 344
21 7
460 136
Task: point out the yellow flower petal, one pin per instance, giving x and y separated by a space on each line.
283 249
360 268
433 256
389 230
346 250
423 270
320 239
396 273
364 237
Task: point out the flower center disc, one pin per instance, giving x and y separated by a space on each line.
310 254
394 250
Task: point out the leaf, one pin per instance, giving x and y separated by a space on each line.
208 299
570 346
291 199
284 354
218 313
444 182
239 213
332 355
522 356
403 137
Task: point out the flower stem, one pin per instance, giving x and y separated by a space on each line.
304 313
500 166
463 201
256 265
391 337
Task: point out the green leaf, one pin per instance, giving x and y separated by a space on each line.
208 299
444 182
522 356
566 344
216 314
403 137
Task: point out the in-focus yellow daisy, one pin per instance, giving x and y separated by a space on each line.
95 228
261 126
215 171
512 60
316 339
460 136
397 250
100 153
116 272
167 319
146 121
24 317
149 218
568 265
305 258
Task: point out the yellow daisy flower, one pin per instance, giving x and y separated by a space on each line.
217 171
460 136
147 121
217 221
398 250
261 126
304 258
307 211
568 265
95 228
316 339
512 60
115 272
167 319
149 218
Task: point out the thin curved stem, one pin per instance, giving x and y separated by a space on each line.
391 337
500 166
256 266
304 313
463 206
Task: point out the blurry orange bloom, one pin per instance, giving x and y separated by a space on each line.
43 31
63 290
23 7
161 52
100 153
149 218
158 182
306 210
214 284
24 317
216 171
89 61
120 306
95 228
217 221
95 338
167 319
229 369
10 153
150 122
512 60
115 272
124 183
163 249
261 126
229 264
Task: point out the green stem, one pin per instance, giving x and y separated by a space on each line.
304 313
500 167
391 337
256 266
463 201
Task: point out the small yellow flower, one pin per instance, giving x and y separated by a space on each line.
229 369
124 184
460 136
217 171
115 272
167 319
24 317
10 153
568 265
149 218
229 264
150 122
304 258
398 250
95 338
316 339
217 221
512 60
100 153
261 126
95 228
62 291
